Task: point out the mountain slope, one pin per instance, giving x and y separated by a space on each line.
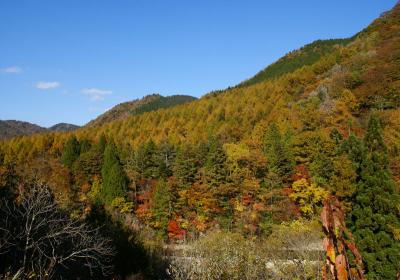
63 127
146 104
12 128
342 86
349 82
294 60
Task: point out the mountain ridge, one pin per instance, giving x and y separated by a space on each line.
15 128
306 55
147 103
345 66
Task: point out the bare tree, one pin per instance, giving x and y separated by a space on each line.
41 240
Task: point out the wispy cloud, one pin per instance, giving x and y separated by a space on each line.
11 70
47 85
96 93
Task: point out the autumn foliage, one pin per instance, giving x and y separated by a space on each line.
250 158
339 244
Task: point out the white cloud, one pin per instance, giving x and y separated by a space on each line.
12 70
96 93
47 85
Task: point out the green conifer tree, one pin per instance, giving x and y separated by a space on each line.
102 143
114 179
84 146
146 161
185 166
89 163
165 157
374 219
71 151
161 206
215 165
276 149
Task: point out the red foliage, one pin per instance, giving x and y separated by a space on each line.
174 231
301 172
287 191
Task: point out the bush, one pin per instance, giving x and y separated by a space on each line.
220 255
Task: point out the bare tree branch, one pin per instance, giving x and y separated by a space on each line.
38 237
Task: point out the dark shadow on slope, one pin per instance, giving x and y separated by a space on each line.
132 260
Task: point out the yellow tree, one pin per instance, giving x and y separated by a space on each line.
308 195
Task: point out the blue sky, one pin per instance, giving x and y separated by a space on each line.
70 60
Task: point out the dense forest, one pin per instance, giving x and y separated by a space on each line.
292 174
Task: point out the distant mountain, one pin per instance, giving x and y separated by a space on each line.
12 128
63 127
146 104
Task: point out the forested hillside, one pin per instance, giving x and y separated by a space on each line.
146 104
63 127
248 167
307 55
13 128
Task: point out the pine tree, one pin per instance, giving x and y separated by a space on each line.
102 143
84 146
114 179
215 165
71 152
276 149
373 139
161 206
374 142
89 163
321 168
146 161
165 157
185 166
374 219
